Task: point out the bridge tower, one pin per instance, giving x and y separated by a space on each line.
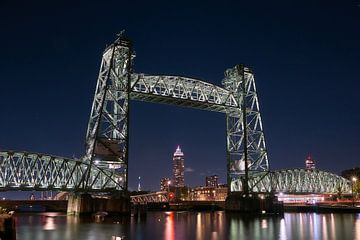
246 149
107 134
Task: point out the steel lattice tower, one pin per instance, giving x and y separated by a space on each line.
107 134
246 149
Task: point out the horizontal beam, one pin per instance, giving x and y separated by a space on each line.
182 91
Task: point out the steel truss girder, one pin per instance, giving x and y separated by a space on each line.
33 171
296 181
181 91
150 198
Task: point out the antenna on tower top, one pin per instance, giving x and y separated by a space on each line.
121 33
139 185
120 36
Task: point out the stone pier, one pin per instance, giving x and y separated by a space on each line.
83 204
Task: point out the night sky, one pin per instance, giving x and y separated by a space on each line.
305 56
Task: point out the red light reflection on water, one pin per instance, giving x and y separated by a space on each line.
169 226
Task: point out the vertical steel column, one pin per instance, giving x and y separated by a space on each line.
234 123
245 135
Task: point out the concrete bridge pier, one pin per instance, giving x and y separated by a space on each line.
253 203
83 204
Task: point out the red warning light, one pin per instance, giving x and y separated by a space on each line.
171 195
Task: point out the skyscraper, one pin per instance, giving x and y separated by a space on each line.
178 168
309 163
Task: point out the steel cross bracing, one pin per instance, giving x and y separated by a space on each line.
32 171
107 135
296 181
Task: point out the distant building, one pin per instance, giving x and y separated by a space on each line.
208 193
211 181
178 168
164 184
309 163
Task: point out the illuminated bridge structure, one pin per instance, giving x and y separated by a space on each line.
33 171
104 166
298 180
150 197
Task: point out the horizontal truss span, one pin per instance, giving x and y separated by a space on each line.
182 91
34 171
155 197
297 181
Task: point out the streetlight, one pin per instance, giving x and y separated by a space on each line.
169 182
353 181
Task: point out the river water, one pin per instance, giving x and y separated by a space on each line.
188 225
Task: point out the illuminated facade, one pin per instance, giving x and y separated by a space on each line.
164 184
309 163
178 168
208 193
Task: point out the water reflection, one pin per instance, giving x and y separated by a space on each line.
357 227
190 225
169 227
283 229
199 225
49 223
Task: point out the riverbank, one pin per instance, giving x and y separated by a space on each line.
7 227
322 208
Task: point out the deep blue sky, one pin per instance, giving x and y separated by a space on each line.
305 55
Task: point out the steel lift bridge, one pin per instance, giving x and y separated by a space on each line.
104 167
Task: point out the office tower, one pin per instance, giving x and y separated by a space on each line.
309 163
178 168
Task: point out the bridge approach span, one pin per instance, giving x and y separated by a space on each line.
297 180
34 171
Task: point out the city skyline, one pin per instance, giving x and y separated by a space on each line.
304 56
